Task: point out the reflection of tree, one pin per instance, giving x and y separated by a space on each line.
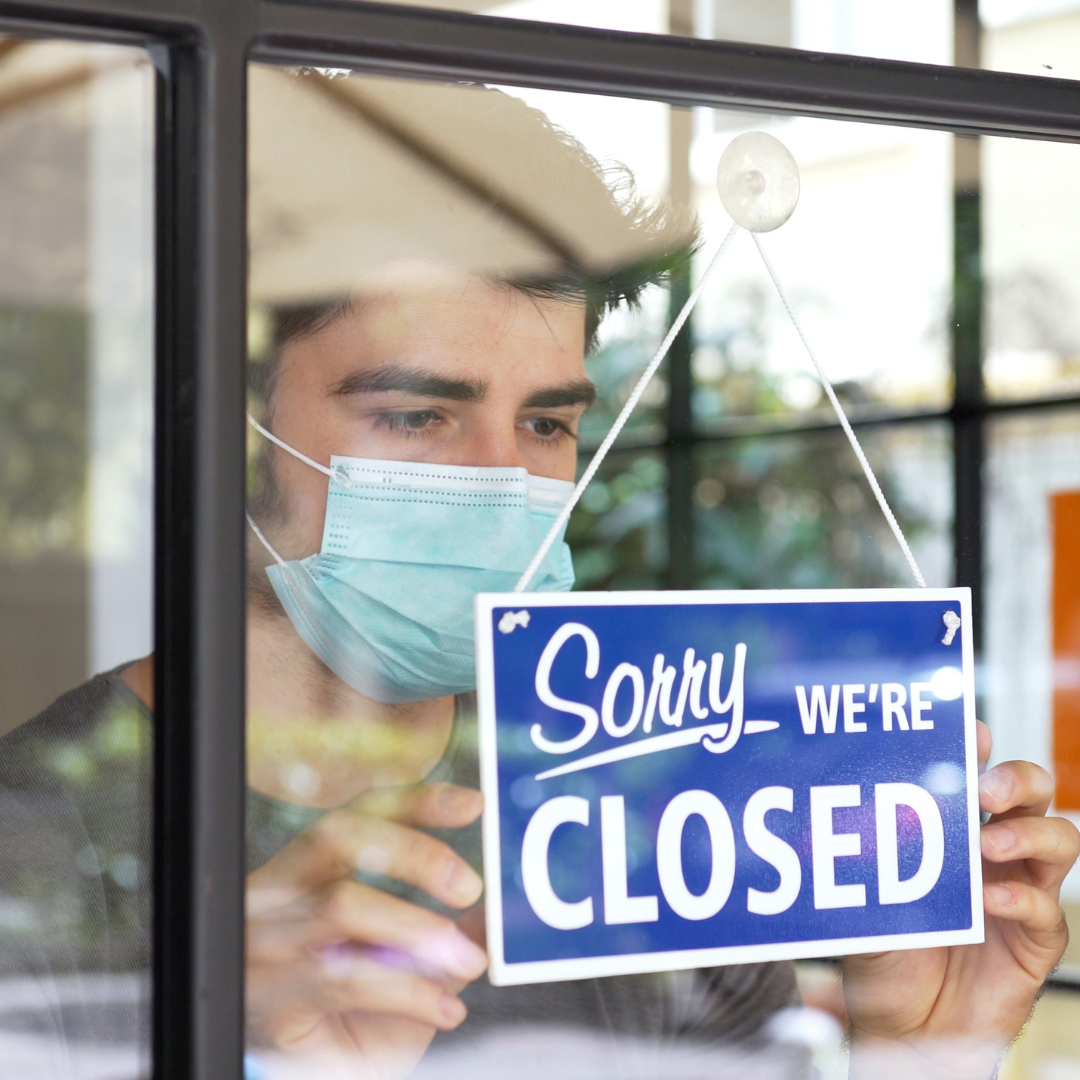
1029 310
771 512
43 429
794 511
617 531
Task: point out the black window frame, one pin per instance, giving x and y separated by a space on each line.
201 49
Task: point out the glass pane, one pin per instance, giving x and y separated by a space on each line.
442 277
1032 268
1033 37
1033 460
866 260
794 511
430 265
76 444
619 535
919 32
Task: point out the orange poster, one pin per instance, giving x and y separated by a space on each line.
1065 517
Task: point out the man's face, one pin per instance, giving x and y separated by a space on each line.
465 373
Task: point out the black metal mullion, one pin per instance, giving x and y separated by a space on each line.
433 44
198 968
969 396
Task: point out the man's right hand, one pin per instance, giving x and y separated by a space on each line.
337 969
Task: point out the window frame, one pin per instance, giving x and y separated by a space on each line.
201 51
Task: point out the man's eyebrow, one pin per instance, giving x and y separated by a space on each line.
409 380
580 392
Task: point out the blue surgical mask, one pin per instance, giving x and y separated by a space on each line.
387 602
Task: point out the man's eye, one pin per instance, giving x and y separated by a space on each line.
548 428
414 420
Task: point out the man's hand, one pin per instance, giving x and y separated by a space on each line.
343 972
971 1001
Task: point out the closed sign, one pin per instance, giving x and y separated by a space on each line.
677 780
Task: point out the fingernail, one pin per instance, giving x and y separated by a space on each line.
456 800
452 876
995 785
452 1009
455 953
1001 837
998 893
468 958
462 883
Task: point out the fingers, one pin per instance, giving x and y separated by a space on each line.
984 743
1052 843
358 913
360 983
359 916
425 806
343 842
1033 907
285 1004
1015 789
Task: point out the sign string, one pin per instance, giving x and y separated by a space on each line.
849 431
646 376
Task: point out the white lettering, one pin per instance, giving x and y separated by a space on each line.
918 707
694 672
619 906
778 853
663 679
829 846
735 700
549 908
544 692
689 688
607 708
893 700
817 705
887 797
669 855
851 707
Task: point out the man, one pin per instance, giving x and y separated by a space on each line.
364 948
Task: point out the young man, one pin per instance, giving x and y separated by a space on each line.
364 947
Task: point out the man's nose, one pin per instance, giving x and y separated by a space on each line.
492 445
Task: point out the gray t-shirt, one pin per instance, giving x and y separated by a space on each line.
75 858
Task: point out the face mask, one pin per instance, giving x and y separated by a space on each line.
387 602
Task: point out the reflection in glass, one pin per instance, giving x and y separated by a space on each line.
76 401
865 260
618 533
794 511
1032 269
1030 458
919 32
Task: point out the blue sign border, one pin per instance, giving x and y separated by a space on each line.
503 973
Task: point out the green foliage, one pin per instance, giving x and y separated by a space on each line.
778 511
43 429
795 511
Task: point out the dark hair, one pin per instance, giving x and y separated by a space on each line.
599 295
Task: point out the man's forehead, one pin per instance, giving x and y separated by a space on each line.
452 336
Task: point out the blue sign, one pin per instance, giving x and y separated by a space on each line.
677 780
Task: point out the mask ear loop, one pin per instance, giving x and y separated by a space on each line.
335 474
849 431
646 376
338 474
262 539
